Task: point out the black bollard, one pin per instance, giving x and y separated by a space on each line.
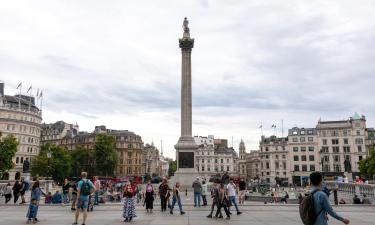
335 196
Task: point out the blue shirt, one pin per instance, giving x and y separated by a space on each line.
36 193
322 205
79 187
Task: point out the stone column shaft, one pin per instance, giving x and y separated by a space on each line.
186 98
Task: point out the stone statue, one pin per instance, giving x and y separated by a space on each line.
26 166
185 25
348 166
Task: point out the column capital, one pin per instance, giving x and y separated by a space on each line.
186 43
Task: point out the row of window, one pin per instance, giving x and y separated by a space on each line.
276 156
21 117
216 169
304 168
303 158
303 132
336 133
303 149
358 141
277 148
336 149
303 139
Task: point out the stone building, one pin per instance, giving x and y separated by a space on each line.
274 159
152 159
213 158
241 163
370 138
129 147
342 145
252 165
20 117
304 154
54 132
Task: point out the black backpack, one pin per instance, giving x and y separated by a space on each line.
307 209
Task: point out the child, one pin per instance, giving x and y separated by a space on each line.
31 213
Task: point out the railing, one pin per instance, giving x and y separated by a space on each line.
46 185
348 190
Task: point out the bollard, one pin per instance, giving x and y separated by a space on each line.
335 196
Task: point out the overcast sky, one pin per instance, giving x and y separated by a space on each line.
118 63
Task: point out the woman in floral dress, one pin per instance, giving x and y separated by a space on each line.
129 202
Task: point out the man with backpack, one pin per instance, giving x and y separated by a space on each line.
84 188
315 206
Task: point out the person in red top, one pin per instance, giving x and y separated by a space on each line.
129 202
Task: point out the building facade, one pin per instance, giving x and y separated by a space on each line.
213 158
274 159
152 160
253 165
54 132
304 154
342 144
129 146
20 117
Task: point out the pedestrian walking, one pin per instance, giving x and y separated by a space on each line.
24 187
163 193
242 189
36 193
231 189
16 191
315 206
65 190
74 195
222 203
97 190
197 186
129 202
8 193
204 193
84 189
215 198
31 212
149 197
176 199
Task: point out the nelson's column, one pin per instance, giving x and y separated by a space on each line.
186 147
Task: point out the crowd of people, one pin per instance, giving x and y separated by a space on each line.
82 194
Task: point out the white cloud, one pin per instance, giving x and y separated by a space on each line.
118 63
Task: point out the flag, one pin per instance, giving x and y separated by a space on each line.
261 126
41 94
19 85
31 87
273 126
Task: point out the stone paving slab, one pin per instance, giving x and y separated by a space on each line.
111 215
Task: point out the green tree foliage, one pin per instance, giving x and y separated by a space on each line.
105 155
82 160
8 149
58 166
172 167
367 165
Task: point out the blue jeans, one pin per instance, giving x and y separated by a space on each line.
232 199
96 202
178 200
65 198
197 199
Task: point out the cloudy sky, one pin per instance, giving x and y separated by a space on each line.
118 63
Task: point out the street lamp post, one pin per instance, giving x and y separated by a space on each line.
49 155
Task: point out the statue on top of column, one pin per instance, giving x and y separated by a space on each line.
185 25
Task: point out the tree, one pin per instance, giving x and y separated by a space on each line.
367 165
58 166
172 167
8 149
82 160
105 155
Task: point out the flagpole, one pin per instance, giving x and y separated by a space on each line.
19 96
31 92
282 127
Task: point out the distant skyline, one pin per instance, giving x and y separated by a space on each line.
117 63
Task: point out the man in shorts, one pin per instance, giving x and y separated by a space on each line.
84 189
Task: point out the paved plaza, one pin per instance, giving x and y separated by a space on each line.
252 214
